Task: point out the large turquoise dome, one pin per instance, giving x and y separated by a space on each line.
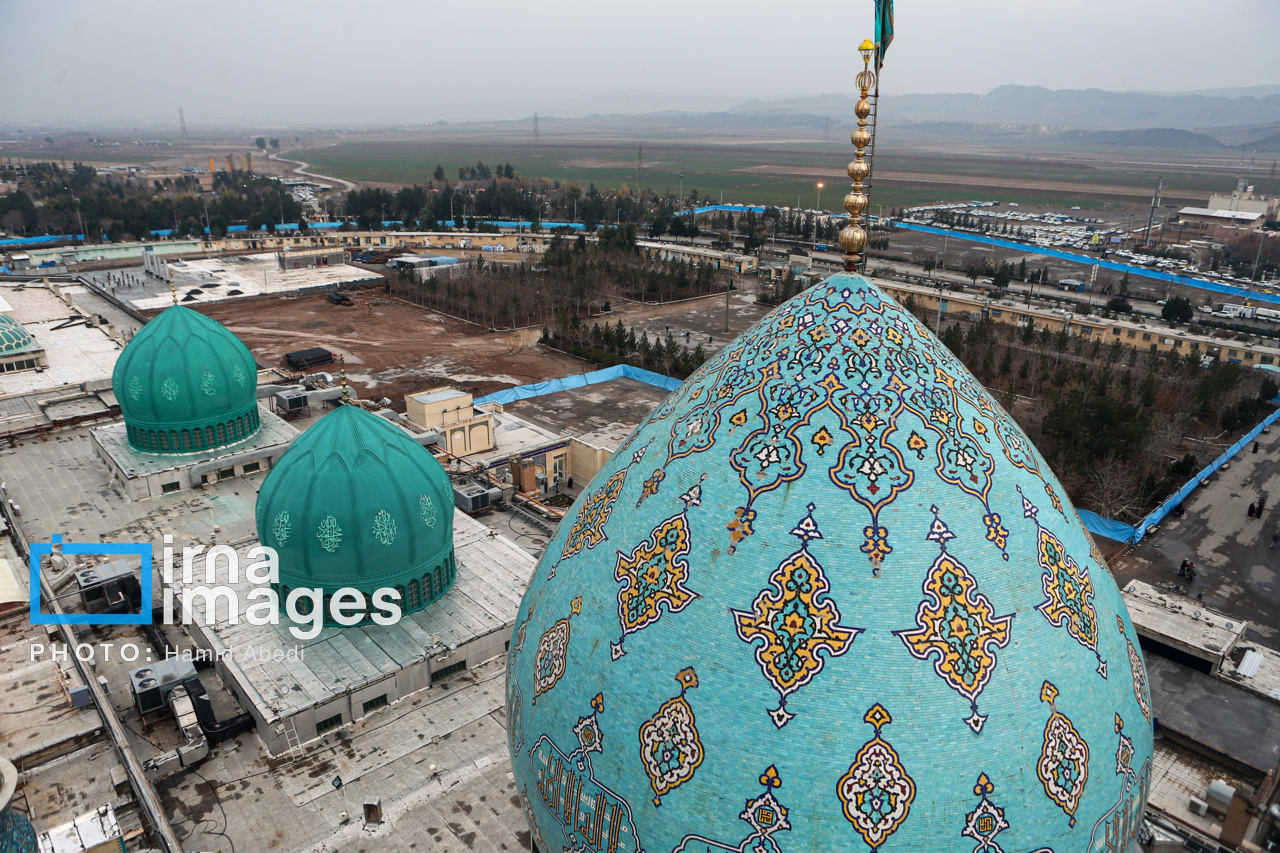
186 384
356 502
830 579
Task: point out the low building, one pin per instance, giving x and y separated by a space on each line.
464 428
1180 629
309 259
1204 217
731 261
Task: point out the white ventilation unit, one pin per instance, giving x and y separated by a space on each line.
1198 806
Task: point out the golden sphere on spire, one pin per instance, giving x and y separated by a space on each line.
856 202
852 238
862 109
861 137
859 169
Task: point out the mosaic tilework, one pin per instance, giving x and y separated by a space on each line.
864 581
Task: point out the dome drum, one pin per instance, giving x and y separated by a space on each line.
831 578
193 437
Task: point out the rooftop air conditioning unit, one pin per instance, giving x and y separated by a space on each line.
1198 806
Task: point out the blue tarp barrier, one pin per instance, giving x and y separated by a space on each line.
35 241
1195 482
553 386
732 208
1108 527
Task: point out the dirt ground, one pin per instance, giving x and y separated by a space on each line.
391 348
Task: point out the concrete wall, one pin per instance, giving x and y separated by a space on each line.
464 428
585 460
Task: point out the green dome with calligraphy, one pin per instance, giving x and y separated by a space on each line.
185 384
356 502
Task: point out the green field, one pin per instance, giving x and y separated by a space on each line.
784 173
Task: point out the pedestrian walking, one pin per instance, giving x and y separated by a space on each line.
1255 447
1275 537
1182 569
1252 509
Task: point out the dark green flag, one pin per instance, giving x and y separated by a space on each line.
884 29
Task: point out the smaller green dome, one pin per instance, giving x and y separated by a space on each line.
13 338
356 502
186 384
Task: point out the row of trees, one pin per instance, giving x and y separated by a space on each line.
120 207
609 345
576 280
1112 420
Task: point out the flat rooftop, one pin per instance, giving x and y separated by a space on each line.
427 397
492 573
76 353
1180 621
1223 717
114 439
602 415
218 279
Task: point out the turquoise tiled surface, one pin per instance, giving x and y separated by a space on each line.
828 597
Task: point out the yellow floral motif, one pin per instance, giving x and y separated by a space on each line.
654 576
785 412
868 422
822 440
741 526
588 528
650 487
792 621
917 444
739 418
981 429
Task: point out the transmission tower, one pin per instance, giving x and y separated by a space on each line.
537 142
182 124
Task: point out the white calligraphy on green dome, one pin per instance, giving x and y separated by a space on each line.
384 527
281 528
135 388
169 390
427 510
329 534
208 384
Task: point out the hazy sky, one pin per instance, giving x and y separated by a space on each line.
342 63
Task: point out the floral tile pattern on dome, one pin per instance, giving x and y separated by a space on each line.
553 648
956 626
794 620
1068 589
1063 767
876 793
764 814
849 472
670 748
655 574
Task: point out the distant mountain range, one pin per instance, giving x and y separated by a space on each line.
1084 109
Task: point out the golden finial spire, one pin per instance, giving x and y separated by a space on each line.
342 372
172 288
853 237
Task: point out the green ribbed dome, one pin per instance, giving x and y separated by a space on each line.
186 384
356 502
13 338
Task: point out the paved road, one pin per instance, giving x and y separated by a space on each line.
1237 570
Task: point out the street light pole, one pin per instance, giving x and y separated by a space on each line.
817 220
